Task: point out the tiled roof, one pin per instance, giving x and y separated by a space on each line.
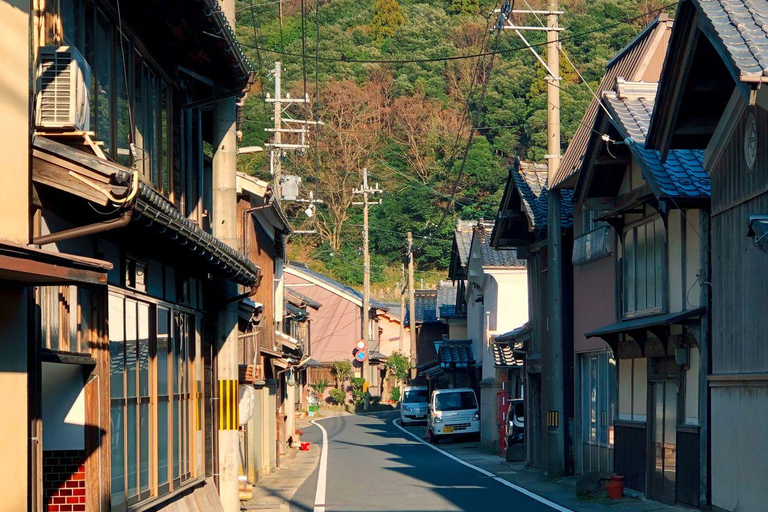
531 184
742 26
292 294
503 356
456 353
682 175
493 257
628 63
426 307
463 238
302 267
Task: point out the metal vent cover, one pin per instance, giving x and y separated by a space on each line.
63 78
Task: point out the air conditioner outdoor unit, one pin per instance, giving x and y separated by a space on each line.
63 78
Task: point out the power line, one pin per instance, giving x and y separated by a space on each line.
343 58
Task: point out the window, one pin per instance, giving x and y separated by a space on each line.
129 101
156 393
598 398
64 318
633 389
643 262
415 396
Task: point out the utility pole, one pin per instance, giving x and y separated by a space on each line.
283 123
412 306
556 335
365 191
403 287
553 365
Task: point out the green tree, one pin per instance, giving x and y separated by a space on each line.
356 385
399 364
386 20
342 370
464 7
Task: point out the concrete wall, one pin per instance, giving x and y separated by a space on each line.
739 445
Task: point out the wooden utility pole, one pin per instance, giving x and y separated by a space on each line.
412 306
365 191
277 152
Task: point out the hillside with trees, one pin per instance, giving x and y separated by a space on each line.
389 82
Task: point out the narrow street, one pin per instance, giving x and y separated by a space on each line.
373 465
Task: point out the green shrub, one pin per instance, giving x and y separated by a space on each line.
399 364
319 387
394 395
358 395
338 396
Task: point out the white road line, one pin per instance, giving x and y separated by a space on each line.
519 489
322 472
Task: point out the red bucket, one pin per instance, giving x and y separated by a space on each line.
304 447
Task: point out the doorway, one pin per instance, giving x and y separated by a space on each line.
663 441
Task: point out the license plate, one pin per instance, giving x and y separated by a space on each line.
421 416
447 430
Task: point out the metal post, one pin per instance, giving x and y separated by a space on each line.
554 361
704 365
366 280
412 307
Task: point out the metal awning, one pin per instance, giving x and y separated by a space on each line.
38 267
639 327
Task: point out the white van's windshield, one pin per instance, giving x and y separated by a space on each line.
415 396
455 401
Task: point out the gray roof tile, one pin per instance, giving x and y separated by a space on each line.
742 26
302 267
531 184
454 352
495 257
682 175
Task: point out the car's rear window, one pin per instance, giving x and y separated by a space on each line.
518 410
415 395
455 401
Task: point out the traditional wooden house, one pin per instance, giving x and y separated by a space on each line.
711 98
655 209
521 225
123 170
594 262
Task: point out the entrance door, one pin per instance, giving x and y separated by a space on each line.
663 449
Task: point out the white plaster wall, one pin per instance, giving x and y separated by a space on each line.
739 448
63 393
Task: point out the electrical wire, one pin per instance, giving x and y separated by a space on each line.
471 56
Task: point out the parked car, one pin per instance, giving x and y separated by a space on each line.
516 430
452 412
413 406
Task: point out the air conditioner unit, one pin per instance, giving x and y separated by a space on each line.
63 79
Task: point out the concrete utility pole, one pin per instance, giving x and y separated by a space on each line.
554 371
225 229
365 191
284 124
412 307
403 286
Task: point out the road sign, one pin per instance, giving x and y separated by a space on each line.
360 345
360 355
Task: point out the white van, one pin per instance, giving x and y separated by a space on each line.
413 406
452 412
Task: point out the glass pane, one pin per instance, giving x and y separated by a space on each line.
658 255
612 391
84 303
165 137
144 456
162 442
88 51
151 136
140 116
124 135
130 347
176 430
585 397
116 347
118 455
163 333
132 451
602 406
53 316
593 403
641 268
103 79
629 272
144 349
69 21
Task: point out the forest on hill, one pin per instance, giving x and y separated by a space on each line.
401 86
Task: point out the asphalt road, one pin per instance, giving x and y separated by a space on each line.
372 465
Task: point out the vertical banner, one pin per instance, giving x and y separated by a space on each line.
228 405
